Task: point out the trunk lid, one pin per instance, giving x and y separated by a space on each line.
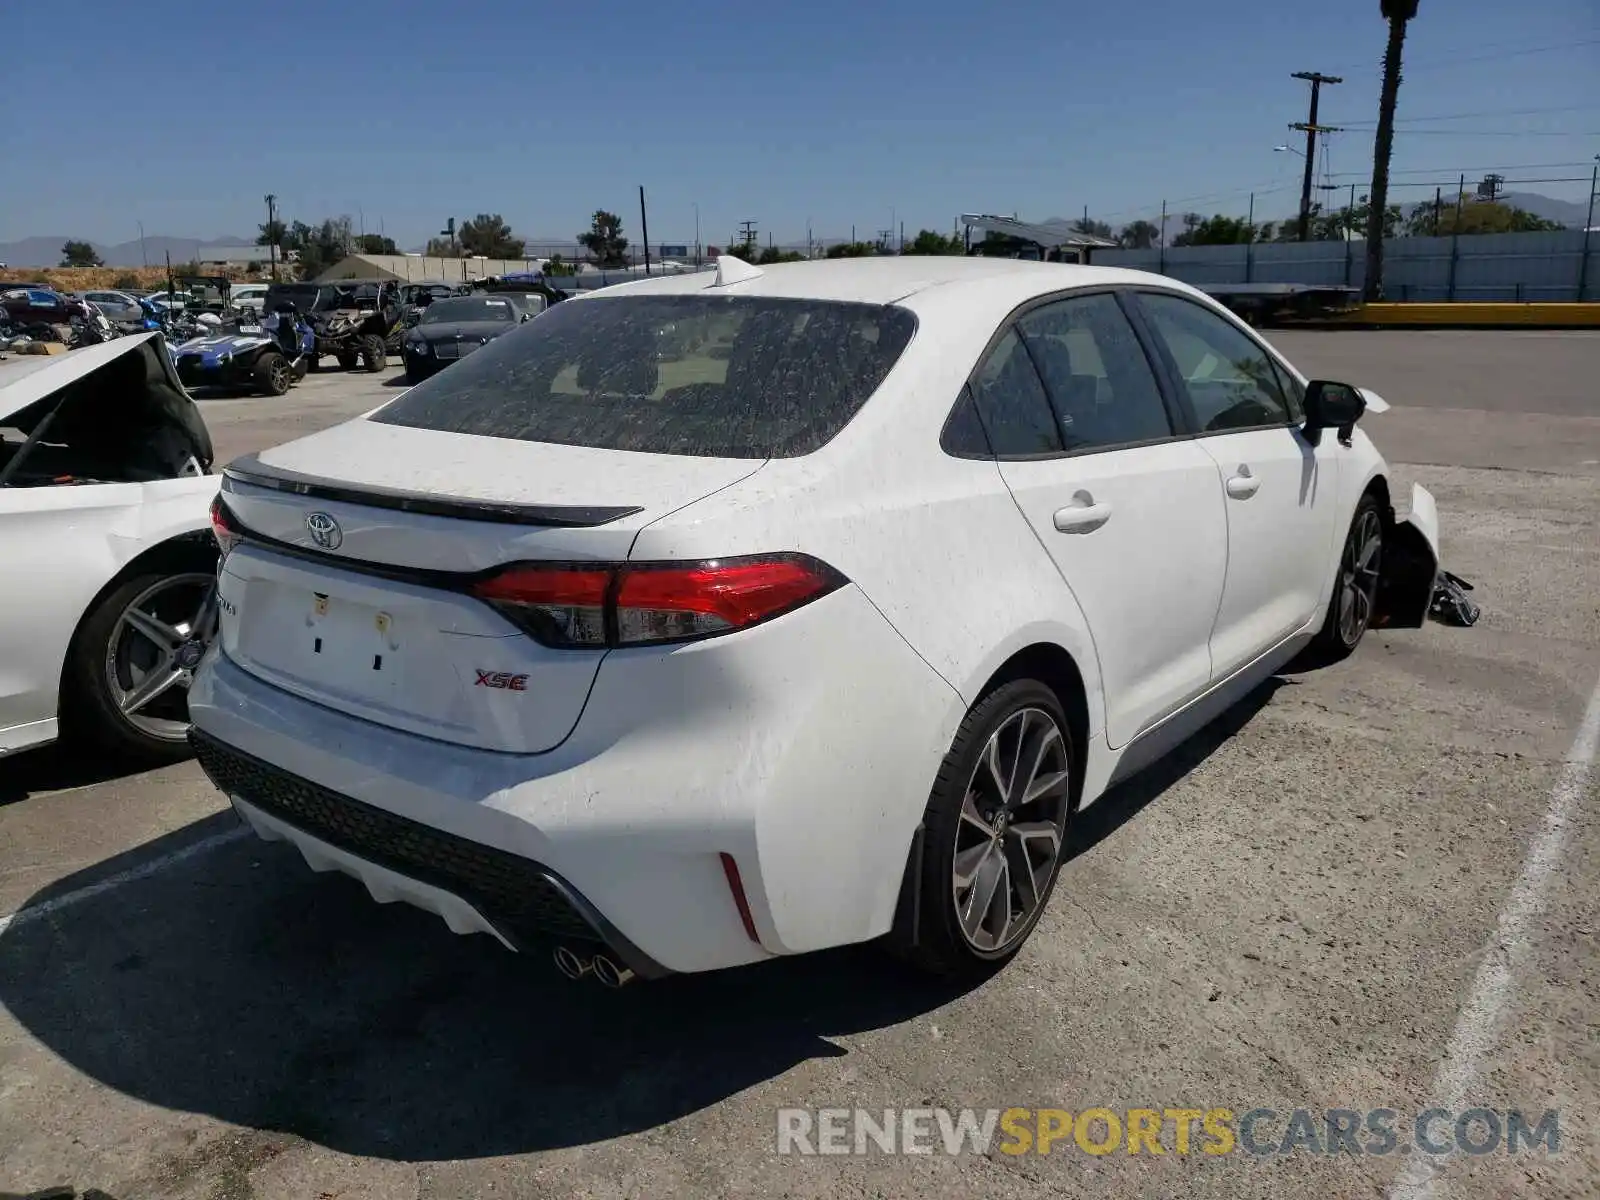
349 589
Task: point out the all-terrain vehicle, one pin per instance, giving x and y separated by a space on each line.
269 357
352 319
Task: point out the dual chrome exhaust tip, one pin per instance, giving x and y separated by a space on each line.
575 965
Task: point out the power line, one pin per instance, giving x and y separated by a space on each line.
1470 48
1499 56
1476 133
1490 52
1472 116
1453 170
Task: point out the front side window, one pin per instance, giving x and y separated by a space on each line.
1099 380
716 376
1230 380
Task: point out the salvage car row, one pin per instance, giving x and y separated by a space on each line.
1036 523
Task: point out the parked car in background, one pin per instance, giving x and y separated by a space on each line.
452 328
812 623
105 544
251 296
37 305
119 307
176 299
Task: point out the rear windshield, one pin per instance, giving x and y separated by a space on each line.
719 376
301 295
469 308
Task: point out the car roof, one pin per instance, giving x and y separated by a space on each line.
892 278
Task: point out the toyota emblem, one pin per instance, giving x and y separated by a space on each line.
324 530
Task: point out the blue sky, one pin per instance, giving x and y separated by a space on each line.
841 114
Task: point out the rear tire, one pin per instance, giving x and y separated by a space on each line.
994 835
272 374
1355 583
373 356
111 657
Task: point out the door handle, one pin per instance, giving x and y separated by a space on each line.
1083 515
1243 485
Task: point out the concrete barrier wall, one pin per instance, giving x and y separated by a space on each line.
1490 267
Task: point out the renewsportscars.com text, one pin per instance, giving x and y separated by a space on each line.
1214 1131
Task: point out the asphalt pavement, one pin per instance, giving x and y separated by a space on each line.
1374 885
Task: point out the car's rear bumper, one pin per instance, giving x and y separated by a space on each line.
474 888
804 749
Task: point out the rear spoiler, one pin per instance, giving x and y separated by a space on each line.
252 472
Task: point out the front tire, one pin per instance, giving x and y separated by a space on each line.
272 373
373 357
1355 584
994 834
126 679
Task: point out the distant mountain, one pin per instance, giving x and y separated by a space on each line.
46 251
1570 213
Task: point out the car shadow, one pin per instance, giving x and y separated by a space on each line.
57 768
1121 803
238 984
397 381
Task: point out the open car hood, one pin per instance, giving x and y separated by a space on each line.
105 398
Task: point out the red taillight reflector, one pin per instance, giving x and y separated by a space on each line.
735 885
561 606
639 604
671 602
225 526
546 585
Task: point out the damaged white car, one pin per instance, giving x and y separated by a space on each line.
107 562
745 613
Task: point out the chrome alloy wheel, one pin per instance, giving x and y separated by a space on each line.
1358 577
1013 819
153 650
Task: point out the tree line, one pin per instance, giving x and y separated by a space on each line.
317 247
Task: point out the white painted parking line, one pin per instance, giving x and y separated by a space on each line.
1472 1037
132 874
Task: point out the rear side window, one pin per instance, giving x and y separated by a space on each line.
1012 403
717 376
1096 372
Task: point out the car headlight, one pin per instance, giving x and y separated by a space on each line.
418 346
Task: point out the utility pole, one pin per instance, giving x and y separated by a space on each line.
747 234
449 231
1588 224
272 233
644 229
1310 128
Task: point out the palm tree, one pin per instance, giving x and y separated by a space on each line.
1398 13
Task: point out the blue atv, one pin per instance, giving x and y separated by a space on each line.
269 358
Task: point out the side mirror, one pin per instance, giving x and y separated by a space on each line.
1332 405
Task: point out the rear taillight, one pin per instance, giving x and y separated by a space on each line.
225 526
640 604
558 605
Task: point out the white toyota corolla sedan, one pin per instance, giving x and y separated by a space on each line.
745 613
